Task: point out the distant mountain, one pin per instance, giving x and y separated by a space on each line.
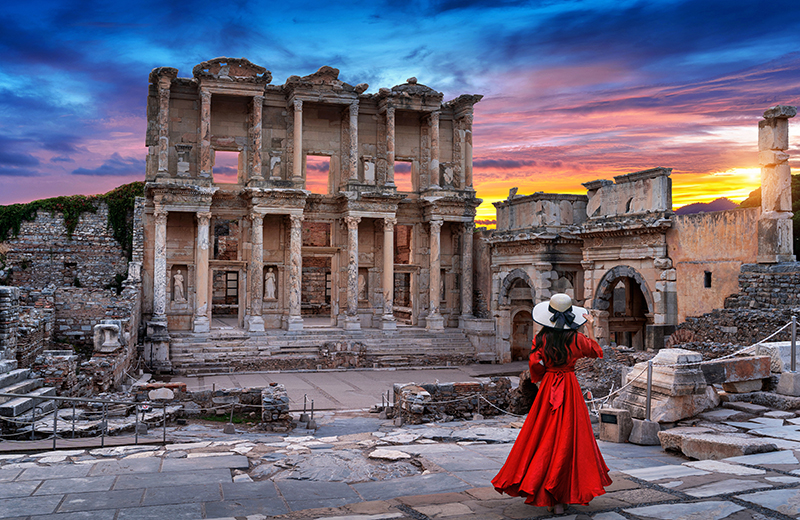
720 204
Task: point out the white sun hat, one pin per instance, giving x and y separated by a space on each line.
559 313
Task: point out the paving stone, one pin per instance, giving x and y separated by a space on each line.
389 454
187 446
761 459
457 462
786 501
768 421
640 496
246 506
147 480
746 407
664 472
172 512
18 489
75 485
24 506
444 510
670 485
477 478
779 414
794 421
789 433
182 494
227 461
120 467
720 446
783 480
8 474
431 483
100 500
721 414
54 472
119 451
402 438
600 503
723 467
100 514
306 495
608 516
710 510
724 487
748 425
240 490
378 516
494 435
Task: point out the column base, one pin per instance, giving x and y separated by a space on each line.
352 323
254 323
462 320
388 322
294 323
201 324
434 322
156 345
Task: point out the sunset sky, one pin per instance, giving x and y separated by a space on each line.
574 91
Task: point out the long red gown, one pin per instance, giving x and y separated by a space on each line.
555 458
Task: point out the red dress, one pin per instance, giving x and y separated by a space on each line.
555 458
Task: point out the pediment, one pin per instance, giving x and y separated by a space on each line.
232 69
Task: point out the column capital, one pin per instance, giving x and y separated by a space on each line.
468 227
296 220
205 95
298 105
257 217
203 217
352 222
587 264
353 109
160 215
258 99
436 225
390 111
389 223
434 116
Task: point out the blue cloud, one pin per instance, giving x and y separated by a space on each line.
116 165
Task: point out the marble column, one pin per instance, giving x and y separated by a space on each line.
467 151
295 321
388 322
435 320
255 275
353 157
434 171
160 266
164 83
775 235
255 133
297 167
390 148
466 270
201 321
205 134
352 322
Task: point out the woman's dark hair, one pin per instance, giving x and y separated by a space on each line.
555 344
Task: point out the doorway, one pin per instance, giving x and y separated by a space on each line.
226 299
627 318
316 292
521 335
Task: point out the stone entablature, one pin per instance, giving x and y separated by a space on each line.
541 210
646 191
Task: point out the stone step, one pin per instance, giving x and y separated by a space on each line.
43 408
18 406
22 387
14 377
7 365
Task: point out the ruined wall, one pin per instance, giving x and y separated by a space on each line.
707 250
78 310
42 254
9 319
540 210
437 401
638 192
34 335
767 286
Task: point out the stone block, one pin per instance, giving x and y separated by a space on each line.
746 407
734 370
780 354
644 433
705 445
789 384
743 387
615 425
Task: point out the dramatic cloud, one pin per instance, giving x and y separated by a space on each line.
116 166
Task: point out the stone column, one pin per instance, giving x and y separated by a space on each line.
435 320
255 144
295 271
352 321
466 270
164 83
388 322
775 222
160 266
434 171
390 147
201 322
353 158
467 151
297 169
254 320
205 134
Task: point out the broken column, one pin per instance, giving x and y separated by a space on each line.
775 222
679 388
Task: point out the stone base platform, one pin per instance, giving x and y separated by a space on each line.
222 351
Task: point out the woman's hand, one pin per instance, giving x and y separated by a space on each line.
589 319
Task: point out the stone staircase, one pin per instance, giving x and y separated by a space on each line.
19 381
228 350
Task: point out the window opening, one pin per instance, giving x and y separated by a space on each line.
707 279
402 176
226 239
402 244
226 167
318 169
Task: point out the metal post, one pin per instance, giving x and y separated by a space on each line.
305 400
136 425
164 434
312 409
73 419
231 421
33 420
649 390
103 427
794 343
55 422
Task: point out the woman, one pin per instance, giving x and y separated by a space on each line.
555 460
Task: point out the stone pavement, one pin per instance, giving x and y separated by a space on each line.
423 472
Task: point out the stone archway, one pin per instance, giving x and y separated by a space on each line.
509 283
626 305
521 334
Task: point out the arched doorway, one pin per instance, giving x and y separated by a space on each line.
624 295
521 335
